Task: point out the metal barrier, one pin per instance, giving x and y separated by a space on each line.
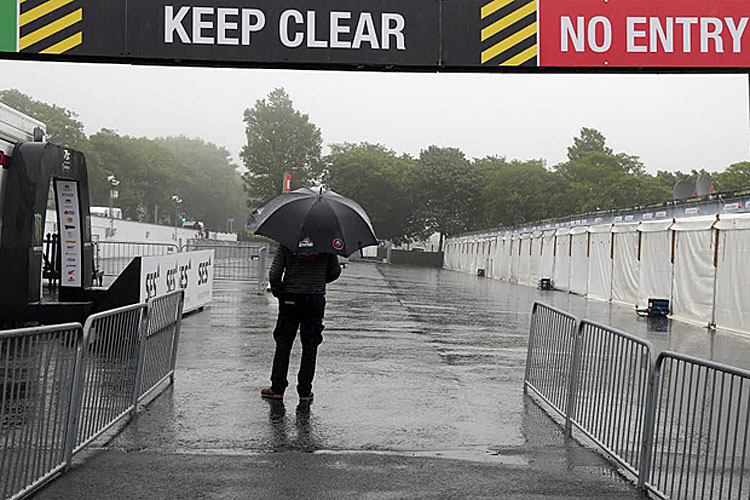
38 370
698 423
549 360
112 344
237 261
679 426
63 386
159 346
114 256
609 390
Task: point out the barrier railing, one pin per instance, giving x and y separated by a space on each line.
37 370
237 261
609 390
552 342
698 420
679 425
114 256
65 385
112 341
160 342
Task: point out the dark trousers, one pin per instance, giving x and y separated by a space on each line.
306 313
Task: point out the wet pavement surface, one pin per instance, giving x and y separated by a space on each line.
418 395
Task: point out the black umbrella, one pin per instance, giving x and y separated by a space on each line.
307 221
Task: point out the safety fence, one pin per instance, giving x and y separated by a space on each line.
113 256
236 260
679 425
233 260
65 385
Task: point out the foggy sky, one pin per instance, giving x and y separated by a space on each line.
671 121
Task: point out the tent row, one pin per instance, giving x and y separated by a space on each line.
700 264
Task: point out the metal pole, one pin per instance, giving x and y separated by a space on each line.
111 214
142 336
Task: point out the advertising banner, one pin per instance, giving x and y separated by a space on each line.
190 271
71 243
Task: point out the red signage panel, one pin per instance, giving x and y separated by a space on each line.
287 185
644 33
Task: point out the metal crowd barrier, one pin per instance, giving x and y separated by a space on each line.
63 386
38 367
609 390
114 256
698 421
236 260
112 340
679 425
552 342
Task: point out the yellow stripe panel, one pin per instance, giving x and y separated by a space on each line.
521 58
41 10
50 29
508 20
65 45
494 6
509 42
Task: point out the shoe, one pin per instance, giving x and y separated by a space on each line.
306 399
269 394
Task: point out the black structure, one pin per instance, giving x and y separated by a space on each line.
33 169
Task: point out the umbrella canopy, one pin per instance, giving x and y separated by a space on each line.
307 221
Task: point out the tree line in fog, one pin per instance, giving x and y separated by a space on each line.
408 197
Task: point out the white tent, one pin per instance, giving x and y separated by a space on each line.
525 258
515 257
655 271
507 257
579 260
535 259
625 263
732 309
547 266
694 274
562 259
600 262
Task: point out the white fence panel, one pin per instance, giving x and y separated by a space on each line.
655 276
625 264
579 261
600 262
694 271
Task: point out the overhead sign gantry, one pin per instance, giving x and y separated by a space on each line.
426 35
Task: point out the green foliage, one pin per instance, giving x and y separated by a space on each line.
63 126
451 188
385 184
279 139
736 176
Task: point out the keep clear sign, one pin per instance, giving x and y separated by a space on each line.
69 220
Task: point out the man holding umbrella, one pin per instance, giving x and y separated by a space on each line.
312 229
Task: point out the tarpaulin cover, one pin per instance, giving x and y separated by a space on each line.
625 266
600 265
562 261
548 255
515 258
525 259
579 262
507 258
694 274
655 273
733 279
535 259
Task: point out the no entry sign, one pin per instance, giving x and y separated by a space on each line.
427 35
638 33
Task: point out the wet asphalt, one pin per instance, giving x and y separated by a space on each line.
418 395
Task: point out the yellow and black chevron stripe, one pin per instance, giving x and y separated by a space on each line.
509 33
50 26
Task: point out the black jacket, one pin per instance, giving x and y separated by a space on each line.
302 273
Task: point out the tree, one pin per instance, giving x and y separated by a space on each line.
451 187
208 181
595 178
385 184
736 176
279 139
590 141
517 192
